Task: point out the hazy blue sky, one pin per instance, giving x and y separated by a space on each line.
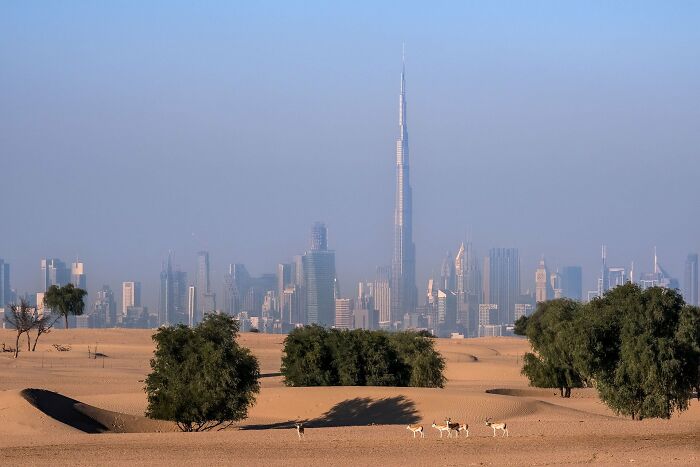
131 128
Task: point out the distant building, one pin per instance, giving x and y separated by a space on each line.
236 283
572 282
659 278
192 309
491 330
136 317
173 295
131 295
53 272
448 279
78 278
523 309
343 313
364 318
488 314
543 288
319 279
105 309
292 305
501 282
382 295
6 294
690 284
446 311
555 283
206 299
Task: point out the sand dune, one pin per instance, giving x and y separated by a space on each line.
62 407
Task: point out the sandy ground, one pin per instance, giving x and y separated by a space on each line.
345 426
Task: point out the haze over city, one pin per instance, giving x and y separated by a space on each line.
127 133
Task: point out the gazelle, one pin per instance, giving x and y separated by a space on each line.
497 426
300 430
416 429
442 428
457 427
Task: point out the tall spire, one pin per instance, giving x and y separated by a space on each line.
404 292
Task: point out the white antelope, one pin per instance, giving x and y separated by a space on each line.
416 429
497 426
442 428
300 430
457 427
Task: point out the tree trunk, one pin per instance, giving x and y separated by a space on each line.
29 342
36 339
567 393
66 317
561 392
17 344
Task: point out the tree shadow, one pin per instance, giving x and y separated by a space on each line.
360 411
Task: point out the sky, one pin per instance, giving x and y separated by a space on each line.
130 129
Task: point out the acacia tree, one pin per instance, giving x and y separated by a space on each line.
202 378
43 325
552 331
65 301
641 348
22 318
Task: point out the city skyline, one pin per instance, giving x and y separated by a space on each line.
530 131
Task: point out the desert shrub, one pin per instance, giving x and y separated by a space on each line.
315 356
201 377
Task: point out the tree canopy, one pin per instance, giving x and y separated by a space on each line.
65 301
316 356
201 377
639 348
642 349
552 333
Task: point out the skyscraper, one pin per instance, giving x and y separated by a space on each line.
173 295
53 272
572 282
131 295
502 282
403 285
447 273
77 275
319 277
543 287
105 309
343 313
690 285
382 295
206 303
5 291
191 304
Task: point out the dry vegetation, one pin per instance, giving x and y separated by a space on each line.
86 398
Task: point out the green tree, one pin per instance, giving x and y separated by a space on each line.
521 326
641 349
552 332
65 301
201 377
307 359
315 356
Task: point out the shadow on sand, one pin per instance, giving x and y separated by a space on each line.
64 409
361 411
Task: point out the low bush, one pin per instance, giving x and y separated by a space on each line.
316 356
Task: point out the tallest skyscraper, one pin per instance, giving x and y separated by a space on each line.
403 281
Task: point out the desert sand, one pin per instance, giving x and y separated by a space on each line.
64 408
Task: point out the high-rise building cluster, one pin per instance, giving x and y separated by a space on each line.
472 296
